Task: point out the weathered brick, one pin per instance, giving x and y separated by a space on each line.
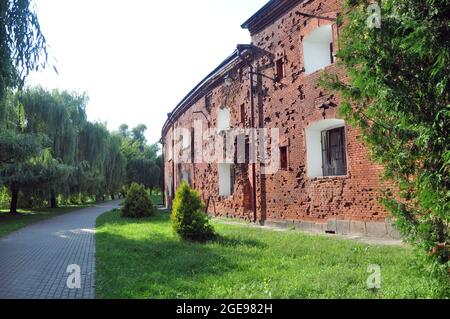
291 106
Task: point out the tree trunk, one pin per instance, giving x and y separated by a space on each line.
53 202
113 197
14 200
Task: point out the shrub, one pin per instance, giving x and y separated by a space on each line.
188 219
137 202
397 92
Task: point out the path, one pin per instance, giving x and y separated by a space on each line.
34 259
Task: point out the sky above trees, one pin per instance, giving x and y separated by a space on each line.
137 59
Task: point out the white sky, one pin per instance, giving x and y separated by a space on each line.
137 59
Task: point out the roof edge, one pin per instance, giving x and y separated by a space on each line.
271 11
187 101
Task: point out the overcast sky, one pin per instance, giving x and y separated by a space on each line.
137 59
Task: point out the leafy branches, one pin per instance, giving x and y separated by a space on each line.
398 94
22 44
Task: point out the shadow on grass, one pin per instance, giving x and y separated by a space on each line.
158 264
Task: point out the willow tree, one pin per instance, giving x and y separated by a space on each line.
36 172
17 148
91 156
398 94
49 113
22 44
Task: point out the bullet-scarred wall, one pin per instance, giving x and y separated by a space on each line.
292 105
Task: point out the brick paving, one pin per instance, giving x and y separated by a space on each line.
34 260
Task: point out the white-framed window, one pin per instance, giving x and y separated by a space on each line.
318 49
326 148
185 176
223 119
186 140
226 179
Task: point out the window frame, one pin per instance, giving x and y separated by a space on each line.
327 153
314 154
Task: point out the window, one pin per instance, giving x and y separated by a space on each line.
283 158
333 152
243 114
170 186
279 69
318 49
186 140
325 148
208 100
226 179
185 176
223 119
192 145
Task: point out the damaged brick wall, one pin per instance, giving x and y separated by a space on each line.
290 105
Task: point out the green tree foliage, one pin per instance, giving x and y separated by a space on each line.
22 45
188 218
115 166
37 172
144 164
137 202
398 95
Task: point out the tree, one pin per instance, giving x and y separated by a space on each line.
398 94
115 166
189 221
22 45
138 136
37 172
123 130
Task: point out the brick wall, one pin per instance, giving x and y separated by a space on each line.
291 105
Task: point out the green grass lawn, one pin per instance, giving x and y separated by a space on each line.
143 259
9 224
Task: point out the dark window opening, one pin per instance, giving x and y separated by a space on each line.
232 178
334 161
331 53
243 114
283 158
208 101
279 69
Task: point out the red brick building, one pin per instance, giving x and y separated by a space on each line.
325 181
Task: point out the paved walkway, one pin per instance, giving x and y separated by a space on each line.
34 260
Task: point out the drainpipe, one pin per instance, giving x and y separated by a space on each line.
252 132
252 123
163 160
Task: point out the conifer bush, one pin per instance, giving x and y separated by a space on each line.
188 219
138 203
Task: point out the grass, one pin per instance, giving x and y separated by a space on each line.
10 223
143 259
157 198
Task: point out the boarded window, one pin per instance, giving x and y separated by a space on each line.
226 179
334 160
283 158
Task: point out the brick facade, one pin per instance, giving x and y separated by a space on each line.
292 105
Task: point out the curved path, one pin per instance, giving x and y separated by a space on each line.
34 260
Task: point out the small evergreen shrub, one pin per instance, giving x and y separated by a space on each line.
188 219
137 202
